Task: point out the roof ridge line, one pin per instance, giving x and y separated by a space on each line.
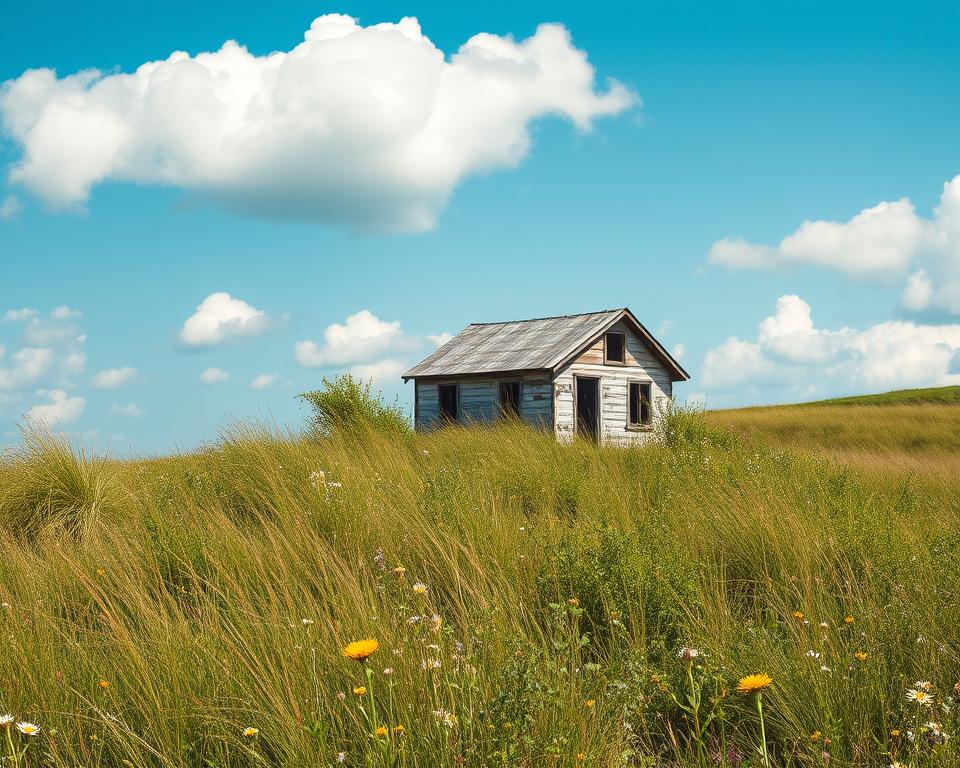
551 317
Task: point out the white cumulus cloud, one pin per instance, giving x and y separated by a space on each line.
112 378
371 127
361 339
791 358
382 370
10 207
890 239
213 375
264 380
60 407
219 318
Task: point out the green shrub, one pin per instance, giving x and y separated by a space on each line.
346 404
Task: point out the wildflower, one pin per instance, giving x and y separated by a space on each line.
920 696
923 685
581 757
341 757
430 664
5 720
360 690
444 717
825 668
361 650
824 625
103 684
589 703
420 588
414 619
798 615
815 736
399 730
399 571
688 654
381 731
28 729
306 622
848 619
388 671
573 601
435 623
895 732
861 656
813 654
341 696
101 572
249 732
752 683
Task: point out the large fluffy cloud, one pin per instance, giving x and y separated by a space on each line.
889 239
362 338
368 126
791 358
219 318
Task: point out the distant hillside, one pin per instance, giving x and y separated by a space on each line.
929 396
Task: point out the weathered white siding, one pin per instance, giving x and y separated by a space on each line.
641 365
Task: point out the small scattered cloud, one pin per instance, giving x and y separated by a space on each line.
63 312
264 380
113 378
664 328
60 408
370 127
213 375
679 350
439 339
19 315
220 317
10 207
382 370
361 339
130 409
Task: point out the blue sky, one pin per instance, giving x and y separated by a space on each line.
755 118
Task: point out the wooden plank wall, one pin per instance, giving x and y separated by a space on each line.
641 365
480 401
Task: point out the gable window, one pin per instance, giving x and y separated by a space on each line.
641 411
615 348
510 398
449 406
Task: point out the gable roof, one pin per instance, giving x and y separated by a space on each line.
530 345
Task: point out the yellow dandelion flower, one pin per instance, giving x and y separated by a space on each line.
360 690
581 757
848 619
103 684
360 650
399 571
815 736
101 572
573 601
399 730
753 683
798 615
861 656
589 703
381 731
895 732
249 732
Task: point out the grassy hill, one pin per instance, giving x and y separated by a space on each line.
532 602
914 431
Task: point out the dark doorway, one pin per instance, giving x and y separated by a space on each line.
588 410
510 399
448 402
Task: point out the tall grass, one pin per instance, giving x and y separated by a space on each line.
556 586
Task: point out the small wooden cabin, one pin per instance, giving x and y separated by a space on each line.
601 375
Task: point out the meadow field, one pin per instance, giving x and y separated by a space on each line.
741 593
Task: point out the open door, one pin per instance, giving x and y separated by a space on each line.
588 407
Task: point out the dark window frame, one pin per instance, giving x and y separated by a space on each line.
606 348
510 412
640 406
445 416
